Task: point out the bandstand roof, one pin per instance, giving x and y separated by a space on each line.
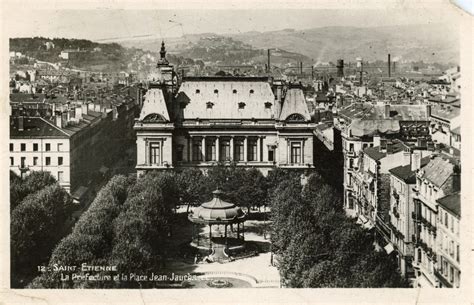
217 211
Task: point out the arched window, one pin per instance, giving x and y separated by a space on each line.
198 91
241 105
154 117
209 105
251 91
234 91
295 117
216 91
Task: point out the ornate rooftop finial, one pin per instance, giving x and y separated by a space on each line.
217 193
163 50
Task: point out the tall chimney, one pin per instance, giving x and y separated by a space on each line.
268 61
389 65
301 67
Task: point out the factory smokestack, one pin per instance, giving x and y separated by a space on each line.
268 63
340 68
389 65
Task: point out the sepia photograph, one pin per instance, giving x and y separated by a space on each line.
199 147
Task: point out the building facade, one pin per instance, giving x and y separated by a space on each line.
204 121
439 178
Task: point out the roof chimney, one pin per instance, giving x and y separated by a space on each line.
386 111
84 108
78 116
428 111
416 161
389 148
376 140
58 119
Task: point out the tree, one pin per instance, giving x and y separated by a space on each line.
318 246
194 186
37 224
91 239
34 182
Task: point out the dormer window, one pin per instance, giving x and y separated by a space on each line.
234 91
268 105
241 105
209 105
216 91
198 91
251 91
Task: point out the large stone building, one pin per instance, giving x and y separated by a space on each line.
74 140
363 125
247 121
441 177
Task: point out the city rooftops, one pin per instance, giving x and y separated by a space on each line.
225 79
451 203
376 153
405 172
368 111
34 127
445 113
440 169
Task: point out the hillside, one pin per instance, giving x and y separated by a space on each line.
91 56
218 49
428 43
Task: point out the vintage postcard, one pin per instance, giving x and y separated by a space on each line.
170 152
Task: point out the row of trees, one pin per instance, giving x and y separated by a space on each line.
125 226
40 209
129 223
318 246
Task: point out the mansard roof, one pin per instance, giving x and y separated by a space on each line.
154 106
294 105
219 98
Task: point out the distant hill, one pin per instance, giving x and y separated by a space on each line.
428 43
218 49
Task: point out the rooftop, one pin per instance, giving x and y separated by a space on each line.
226 98
440 169
452 203
405 173
376 154
35 127
445 112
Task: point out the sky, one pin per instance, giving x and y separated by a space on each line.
106 24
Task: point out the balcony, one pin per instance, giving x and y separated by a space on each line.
350 153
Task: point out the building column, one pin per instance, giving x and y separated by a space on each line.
232 148
225 235
245 149
288 155
210 238
204 148
162 151
302 151
218 149
191 148
259 148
